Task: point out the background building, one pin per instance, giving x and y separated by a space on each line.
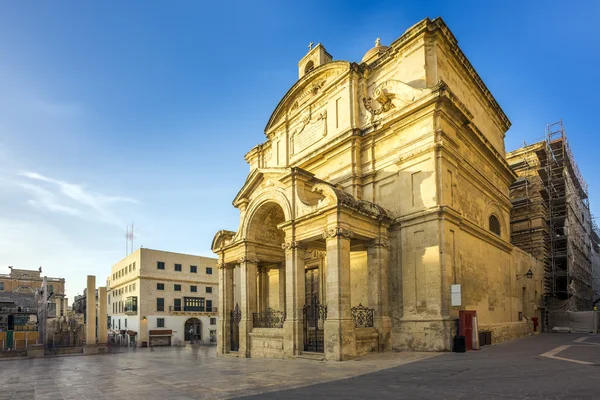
596 263
164 298
551 219
21 298
17 293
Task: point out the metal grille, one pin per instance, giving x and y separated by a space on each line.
268 319
362 316
234 334
315 315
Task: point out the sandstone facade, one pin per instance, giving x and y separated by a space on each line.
380 184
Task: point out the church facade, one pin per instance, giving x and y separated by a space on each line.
381 184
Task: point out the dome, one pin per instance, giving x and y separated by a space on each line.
375 52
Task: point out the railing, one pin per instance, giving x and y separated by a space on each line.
362 316
132 311
268 319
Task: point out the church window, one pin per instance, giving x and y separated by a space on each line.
494 224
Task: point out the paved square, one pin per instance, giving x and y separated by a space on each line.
174 373
570 369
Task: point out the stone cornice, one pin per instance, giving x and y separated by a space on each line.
378 242
437 25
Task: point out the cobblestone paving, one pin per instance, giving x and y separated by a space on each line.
174 373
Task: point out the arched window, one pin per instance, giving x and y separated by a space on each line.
309 67
494 224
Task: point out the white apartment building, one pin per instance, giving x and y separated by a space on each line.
160 298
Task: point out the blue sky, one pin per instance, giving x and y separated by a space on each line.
112 112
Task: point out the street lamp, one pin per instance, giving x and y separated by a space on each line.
528 275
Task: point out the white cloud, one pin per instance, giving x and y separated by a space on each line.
77 195
54 250
46 199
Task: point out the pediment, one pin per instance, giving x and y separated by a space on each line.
260 177
309 86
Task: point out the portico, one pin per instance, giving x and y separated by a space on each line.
309 239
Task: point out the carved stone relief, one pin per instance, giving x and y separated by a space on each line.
331 233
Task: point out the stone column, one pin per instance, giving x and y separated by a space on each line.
225 307
293 337
378 259
248 271
282 288
340 341
90 325
102 317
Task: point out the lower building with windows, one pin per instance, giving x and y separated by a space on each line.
160 298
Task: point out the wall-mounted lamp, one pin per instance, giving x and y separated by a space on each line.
528 275
144 317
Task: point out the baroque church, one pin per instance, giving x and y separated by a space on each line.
381 185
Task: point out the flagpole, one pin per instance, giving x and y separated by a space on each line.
126 240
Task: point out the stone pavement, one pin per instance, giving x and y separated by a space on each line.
175 373
556 366
511 370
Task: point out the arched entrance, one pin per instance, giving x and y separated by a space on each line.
263 229
193 330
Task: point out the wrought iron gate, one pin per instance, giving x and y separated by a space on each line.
315 315
234 326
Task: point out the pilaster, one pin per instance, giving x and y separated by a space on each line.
282 288
378 261
248 274
293 338
225 307
340 340
263 289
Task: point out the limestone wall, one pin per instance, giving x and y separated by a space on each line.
266 343
460 80
508 331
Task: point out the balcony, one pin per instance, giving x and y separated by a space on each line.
192 310
131 305
19 310
130 311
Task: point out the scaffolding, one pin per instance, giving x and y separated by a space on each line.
551 218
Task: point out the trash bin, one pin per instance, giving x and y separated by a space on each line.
460 344
482 338
144 344
488 337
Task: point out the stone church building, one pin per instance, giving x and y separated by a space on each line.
381 184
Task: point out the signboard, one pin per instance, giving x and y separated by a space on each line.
455 295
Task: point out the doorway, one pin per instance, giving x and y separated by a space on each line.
193 330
